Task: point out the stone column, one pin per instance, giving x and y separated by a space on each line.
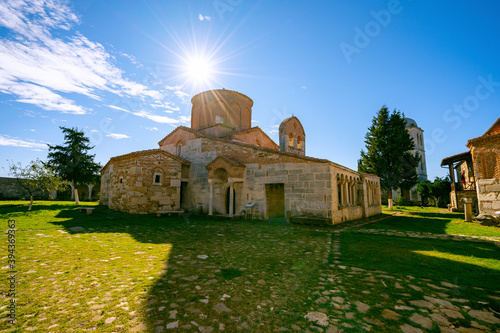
366 196
468 209
211 196
90 186
231 200
346 191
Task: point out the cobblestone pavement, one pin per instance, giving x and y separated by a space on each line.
409 305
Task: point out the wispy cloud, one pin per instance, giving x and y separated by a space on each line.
203 18
156 118
152 129
38 67
13 142
182 95
118 136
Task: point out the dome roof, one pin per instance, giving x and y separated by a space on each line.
410 122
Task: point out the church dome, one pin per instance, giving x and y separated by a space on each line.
228 108
410 122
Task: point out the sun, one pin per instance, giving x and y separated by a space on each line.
199 70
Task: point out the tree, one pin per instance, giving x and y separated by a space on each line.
437 193
36 176
72 161
388 152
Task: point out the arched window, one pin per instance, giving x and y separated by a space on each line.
178 148
290 140
339 193
299 142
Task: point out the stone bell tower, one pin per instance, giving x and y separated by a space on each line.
292 136
417 134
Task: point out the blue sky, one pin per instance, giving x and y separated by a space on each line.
119 70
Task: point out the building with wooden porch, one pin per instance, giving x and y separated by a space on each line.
221 164
475 174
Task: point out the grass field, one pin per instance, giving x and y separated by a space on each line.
114 272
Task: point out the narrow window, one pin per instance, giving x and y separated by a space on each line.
178 148
299 142
290 140
157 179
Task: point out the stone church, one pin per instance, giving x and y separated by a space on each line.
221 165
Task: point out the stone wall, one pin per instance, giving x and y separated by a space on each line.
456 199
488 195
128 184
310 185
10 189
486 156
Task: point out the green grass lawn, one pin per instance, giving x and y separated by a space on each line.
124 272
434 220
140 268
464 263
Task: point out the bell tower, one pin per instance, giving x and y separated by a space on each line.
292 136
417 135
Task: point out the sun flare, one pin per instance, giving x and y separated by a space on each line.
199 70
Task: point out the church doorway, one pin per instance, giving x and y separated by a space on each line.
228 199
275 200
183 195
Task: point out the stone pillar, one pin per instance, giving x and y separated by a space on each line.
366 197
468 209
90 186
346 191
211 196
231 200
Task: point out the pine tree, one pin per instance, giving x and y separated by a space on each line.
72 161
388 152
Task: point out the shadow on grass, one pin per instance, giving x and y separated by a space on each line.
449 215
439 260
249 260
417 223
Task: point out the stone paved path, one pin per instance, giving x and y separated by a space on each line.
423 305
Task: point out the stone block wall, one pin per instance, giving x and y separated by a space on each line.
10 189
310 187
488 195
307 188
128 184
456 199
